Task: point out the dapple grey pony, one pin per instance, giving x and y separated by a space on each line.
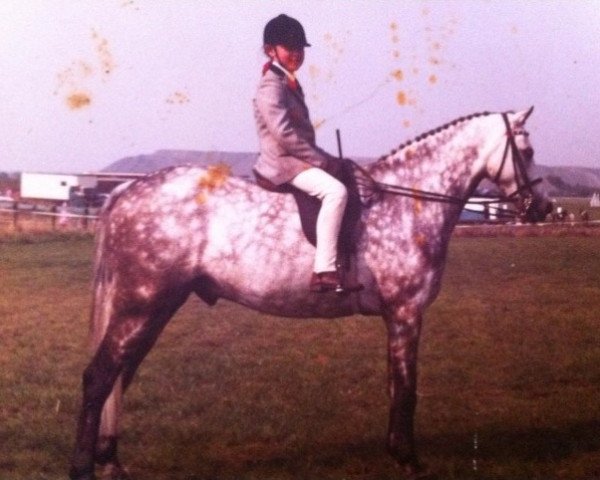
188 230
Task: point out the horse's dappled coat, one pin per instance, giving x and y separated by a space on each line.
188 229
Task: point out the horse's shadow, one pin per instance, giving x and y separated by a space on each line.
497 443
443 452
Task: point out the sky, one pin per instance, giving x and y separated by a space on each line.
84 83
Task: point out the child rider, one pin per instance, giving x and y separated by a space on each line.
288 150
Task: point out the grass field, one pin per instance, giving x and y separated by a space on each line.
510 358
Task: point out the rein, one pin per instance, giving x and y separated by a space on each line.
442 198
524 192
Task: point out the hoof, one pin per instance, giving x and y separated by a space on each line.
81 476
114 472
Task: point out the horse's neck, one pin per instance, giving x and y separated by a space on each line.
443 163
448 163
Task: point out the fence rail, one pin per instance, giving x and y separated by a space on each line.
20 216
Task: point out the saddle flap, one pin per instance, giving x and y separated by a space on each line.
362 192
268 185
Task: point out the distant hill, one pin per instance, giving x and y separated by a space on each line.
241 163
559 181
570 181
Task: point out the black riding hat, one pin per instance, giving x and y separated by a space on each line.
286 31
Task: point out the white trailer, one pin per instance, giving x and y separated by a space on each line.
484 208
53 186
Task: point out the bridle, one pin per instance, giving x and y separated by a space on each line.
521 198
523 195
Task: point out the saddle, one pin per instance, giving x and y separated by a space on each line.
362 193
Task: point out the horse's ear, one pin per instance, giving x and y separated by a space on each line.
521 117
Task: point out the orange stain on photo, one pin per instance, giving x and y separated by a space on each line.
401 98
70 76
78 100
398 74
433 79
394 32
418 204
215 176
335 45
420 238
107 62
74 80
178 98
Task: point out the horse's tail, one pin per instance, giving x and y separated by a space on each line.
102 292
103 283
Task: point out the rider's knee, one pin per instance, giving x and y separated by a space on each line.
337 192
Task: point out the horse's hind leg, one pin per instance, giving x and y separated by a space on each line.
98 380
128 339
106 446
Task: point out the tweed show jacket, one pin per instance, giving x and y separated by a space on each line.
286 135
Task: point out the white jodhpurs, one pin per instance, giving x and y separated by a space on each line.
334 196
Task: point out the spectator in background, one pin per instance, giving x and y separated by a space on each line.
63 218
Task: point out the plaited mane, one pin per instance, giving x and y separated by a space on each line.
431 132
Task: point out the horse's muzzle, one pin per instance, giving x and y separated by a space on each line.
537 209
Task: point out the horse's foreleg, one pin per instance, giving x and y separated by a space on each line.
403 340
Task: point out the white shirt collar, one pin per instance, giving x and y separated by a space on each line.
280 67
